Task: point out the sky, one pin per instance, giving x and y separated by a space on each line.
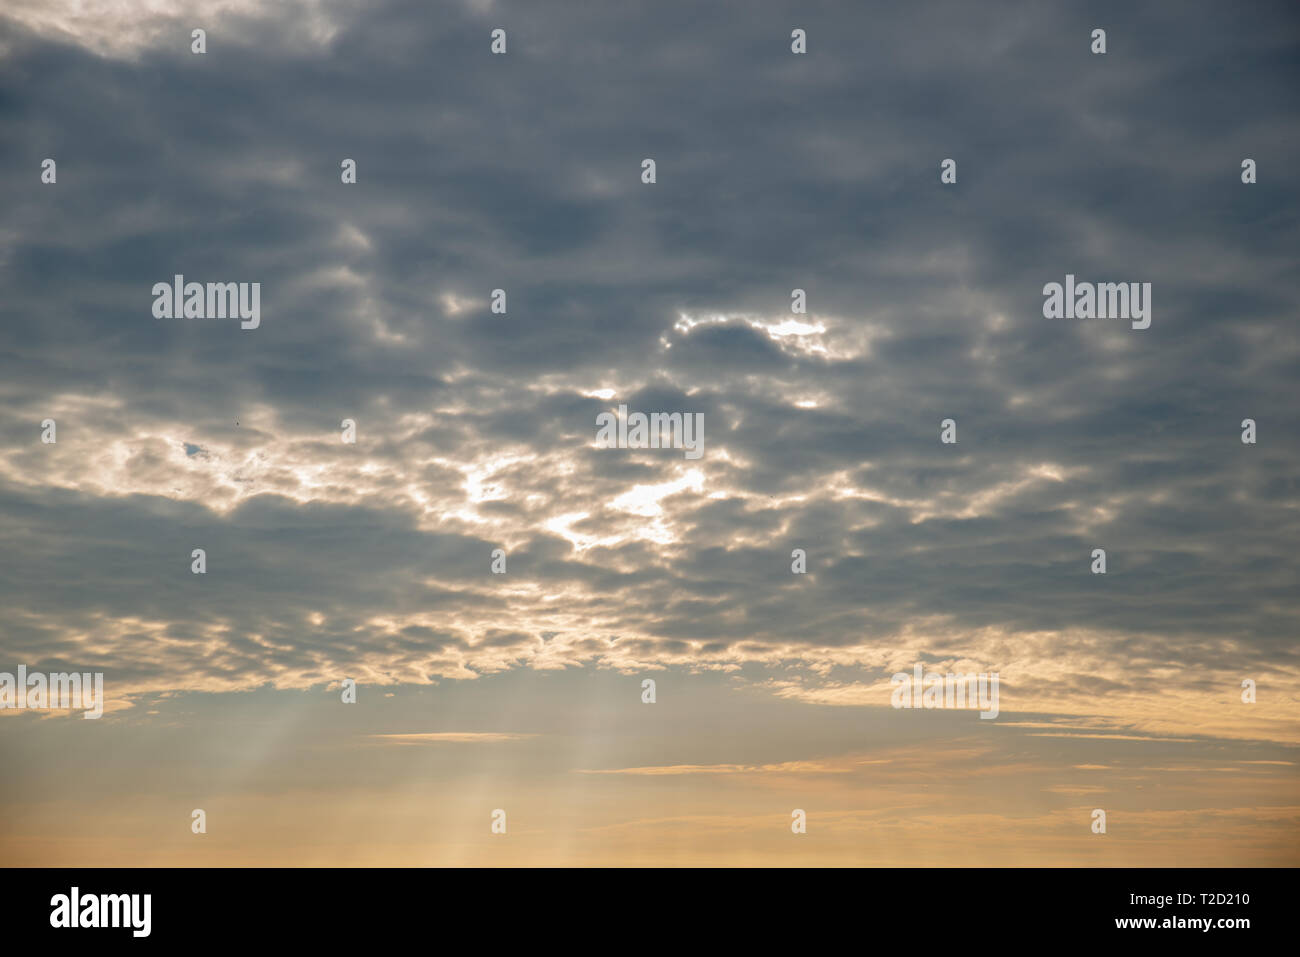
522 692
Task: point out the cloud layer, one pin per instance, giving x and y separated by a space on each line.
476 431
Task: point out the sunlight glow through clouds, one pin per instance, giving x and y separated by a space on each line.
824 539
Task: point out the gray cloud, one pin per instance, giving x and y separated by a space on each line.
476 431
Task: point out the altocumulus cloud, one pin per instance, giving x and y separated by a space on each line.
475 430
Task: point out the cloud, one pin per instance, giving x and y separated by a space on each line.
476 431
788 767
451 737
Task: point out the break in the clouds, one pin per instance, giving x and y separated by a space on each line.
475 429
